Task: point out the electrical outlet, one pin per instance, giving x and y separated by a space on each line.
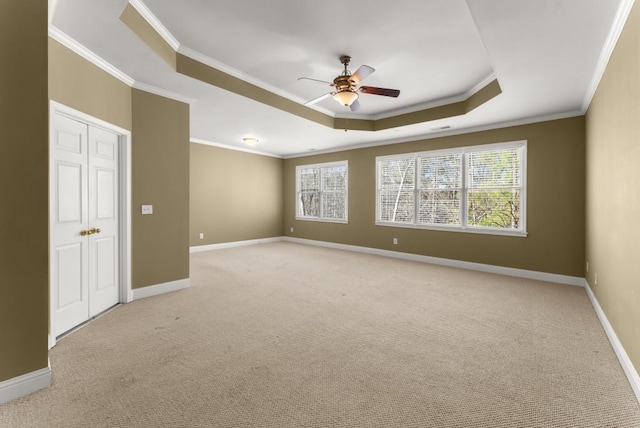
395 241
596 278
587 266
292 230
201 235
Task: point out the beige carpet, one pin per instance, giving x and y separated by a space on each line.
284 335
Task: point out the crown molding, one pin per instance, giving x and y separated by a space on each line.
85 53
162 92
432 104
607 50
148 16
52 10
204 59
155 23
237 149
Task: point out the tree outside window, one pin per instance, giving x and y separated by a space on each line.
479 188
322 192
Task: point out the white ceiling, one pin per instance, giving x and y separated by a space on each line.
546 54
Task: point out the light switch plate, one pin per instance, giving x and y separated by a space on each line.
147 209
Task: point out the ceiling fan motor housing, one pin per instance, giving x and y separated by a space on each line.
343 83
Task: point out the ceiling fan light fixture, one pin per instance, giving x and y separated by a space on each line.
345 86
346 98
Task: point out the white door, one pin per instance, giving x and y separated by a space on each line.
103 219
69 249
84 230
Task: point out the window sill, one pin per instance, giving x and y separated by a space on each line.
323 220
476 230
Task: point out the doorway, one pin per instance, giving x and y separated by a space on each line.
88 200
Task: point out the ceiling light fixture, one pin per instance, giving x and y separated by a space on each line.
252 141
346 97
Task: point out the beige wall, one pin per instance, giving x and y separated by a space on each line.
235 196
160 159
24 161
555 203
75 82
613 189
160 177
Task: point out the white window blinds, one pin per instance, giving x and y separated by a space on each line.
439 190
396 179
322 192
494 188
479 188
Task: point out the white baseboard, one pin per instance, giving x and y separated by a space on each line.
521 273
211 247
154 290
25 384
625 361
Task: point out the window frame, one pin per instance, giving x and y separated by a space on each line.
464 190
321 191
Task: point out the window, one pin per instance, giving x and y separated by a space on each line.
476 189
322 192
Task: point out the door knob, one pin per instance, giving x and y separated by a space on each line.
90 231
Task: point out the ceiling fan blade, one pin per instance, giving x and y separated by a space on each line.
361 74
355 106
316 80
380 91
320 98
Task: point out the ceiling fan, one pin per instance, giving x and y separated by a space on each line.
346 86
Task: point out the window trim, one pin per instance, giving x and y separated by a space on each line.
321 166
463 227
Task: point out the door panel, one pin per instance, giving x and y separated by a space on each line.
103 215
106 149
69 198
106 263
72 297
69 257
69 252
70 139
105 192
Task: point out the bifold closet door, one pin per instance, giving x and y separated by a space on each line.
84 230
